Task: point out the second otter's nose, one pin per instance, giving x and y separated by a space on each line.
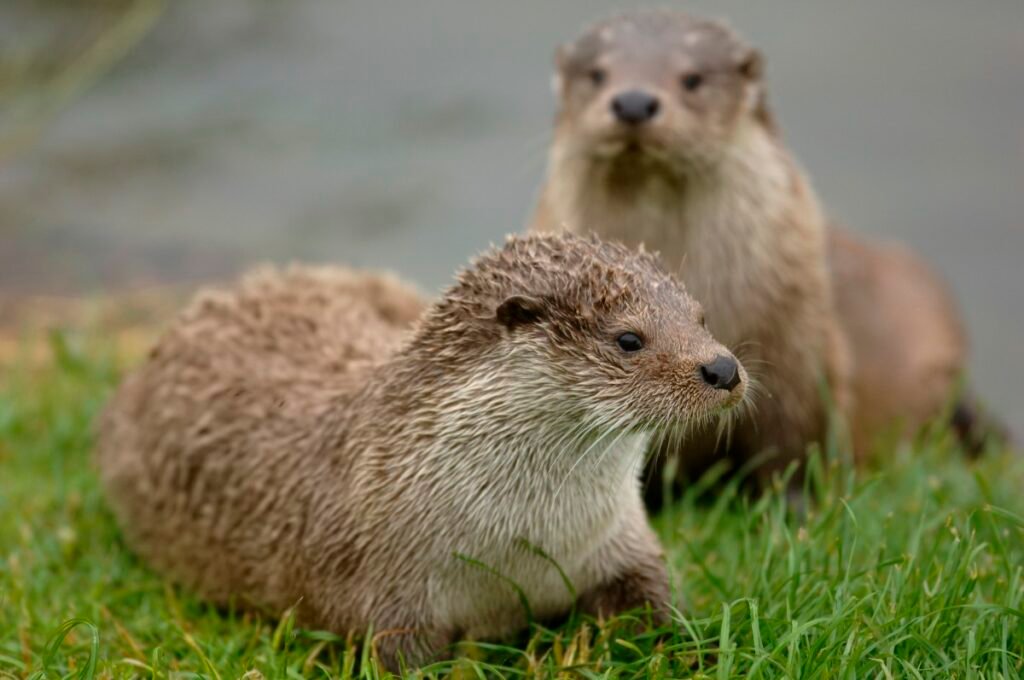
634 107
723 373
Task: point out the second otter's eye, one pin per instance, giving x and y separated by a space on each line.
629 342
692 81
597 76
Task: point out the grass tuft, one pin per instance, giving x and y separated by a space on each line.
913 569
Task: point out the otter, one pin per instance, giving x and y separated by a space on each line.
664 137
295 442
908 343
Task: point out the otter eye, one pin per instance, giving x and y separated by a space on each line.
630 342
691 81
596 76
703 321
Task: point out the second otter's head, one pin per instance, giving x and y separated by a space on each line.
584 332
659 84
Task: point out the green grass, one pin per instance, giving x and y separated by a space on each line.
912 570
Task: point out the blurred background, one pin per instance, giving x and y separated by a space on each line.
150 145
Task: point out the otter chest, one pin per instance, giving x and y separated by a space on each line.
542 531
718 247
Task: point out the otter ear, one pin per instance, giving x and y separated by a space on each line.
562 56
558 77
557 83
752 66
516 310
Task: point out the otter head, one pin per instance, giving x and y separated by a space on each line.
658 85
589 334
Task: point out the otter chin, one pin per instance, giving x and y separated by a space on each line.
328 441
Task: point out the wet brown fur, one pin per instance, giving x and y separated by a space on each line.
325 439
710 185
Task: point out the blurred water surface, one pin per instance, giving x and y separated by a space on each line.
411 135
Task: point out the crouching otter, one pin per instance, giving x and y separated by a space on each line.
294 442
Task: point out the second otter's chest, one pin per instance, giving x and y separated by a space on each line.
731 274
730 259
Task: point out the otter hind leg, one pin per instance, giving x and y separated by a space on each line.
976 428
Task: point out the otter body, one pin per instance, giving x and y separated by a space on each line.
906 339
664 137
299 440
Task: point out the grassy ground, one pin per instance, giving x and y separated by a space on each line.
915 570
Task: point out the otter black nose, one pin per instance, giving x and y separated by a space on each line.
634 107
723 373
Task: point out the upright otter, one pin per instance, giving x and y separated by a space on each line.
293 442
664 137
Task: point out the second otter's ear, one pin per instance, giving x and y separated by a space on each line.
752 66
558 77
562 55
517 310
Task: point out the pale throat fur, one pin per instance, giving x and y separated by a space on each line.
703 222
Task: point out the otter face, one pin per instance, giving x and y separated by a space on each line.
578 333
639 358
657 84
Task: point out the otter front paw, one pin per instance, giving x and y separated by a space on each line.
639 586
410 647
